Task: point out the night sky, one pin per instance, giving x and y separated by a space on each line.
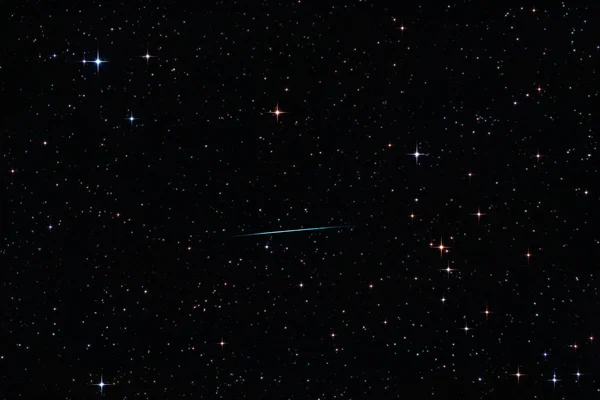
449 150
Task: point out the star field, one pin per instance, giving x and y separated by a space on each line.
297 201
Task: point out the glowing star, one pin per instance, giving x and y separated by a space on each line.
222 343
277 112
102 384
441 248
578 375
554 380
466 329
487 312
479 214
98 61
131 118
518 375
416 154
147 56
448 270
545 354
443 300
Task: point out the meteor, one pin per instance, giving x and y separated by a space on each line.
296 230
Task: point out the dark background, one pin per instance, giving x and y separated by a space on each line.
117 245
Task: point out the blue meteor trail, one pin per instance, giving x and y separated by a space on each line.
296 230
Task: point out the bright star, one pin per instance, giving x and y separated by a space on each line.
441 247
131 118
466 329
416 154
487 312
277 112
518 374
102 384
147 56
98 61
554 380
479 214
448 269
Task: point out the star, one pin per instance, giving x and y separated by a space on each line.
578 374
554 380
102 384
277 112
416 154
442 248
131 118
147 56
479 215
487 312
98 61
448 269
401 28
443 300
466 329
518 375
545 354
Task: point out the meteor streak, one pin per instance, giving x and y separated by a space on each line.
296 230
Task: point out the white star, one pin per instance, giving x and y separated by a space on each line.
416 154
98 61
147 56
102 384
554 380
131 118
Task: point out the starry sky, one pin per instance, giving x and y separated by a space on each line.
151 154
